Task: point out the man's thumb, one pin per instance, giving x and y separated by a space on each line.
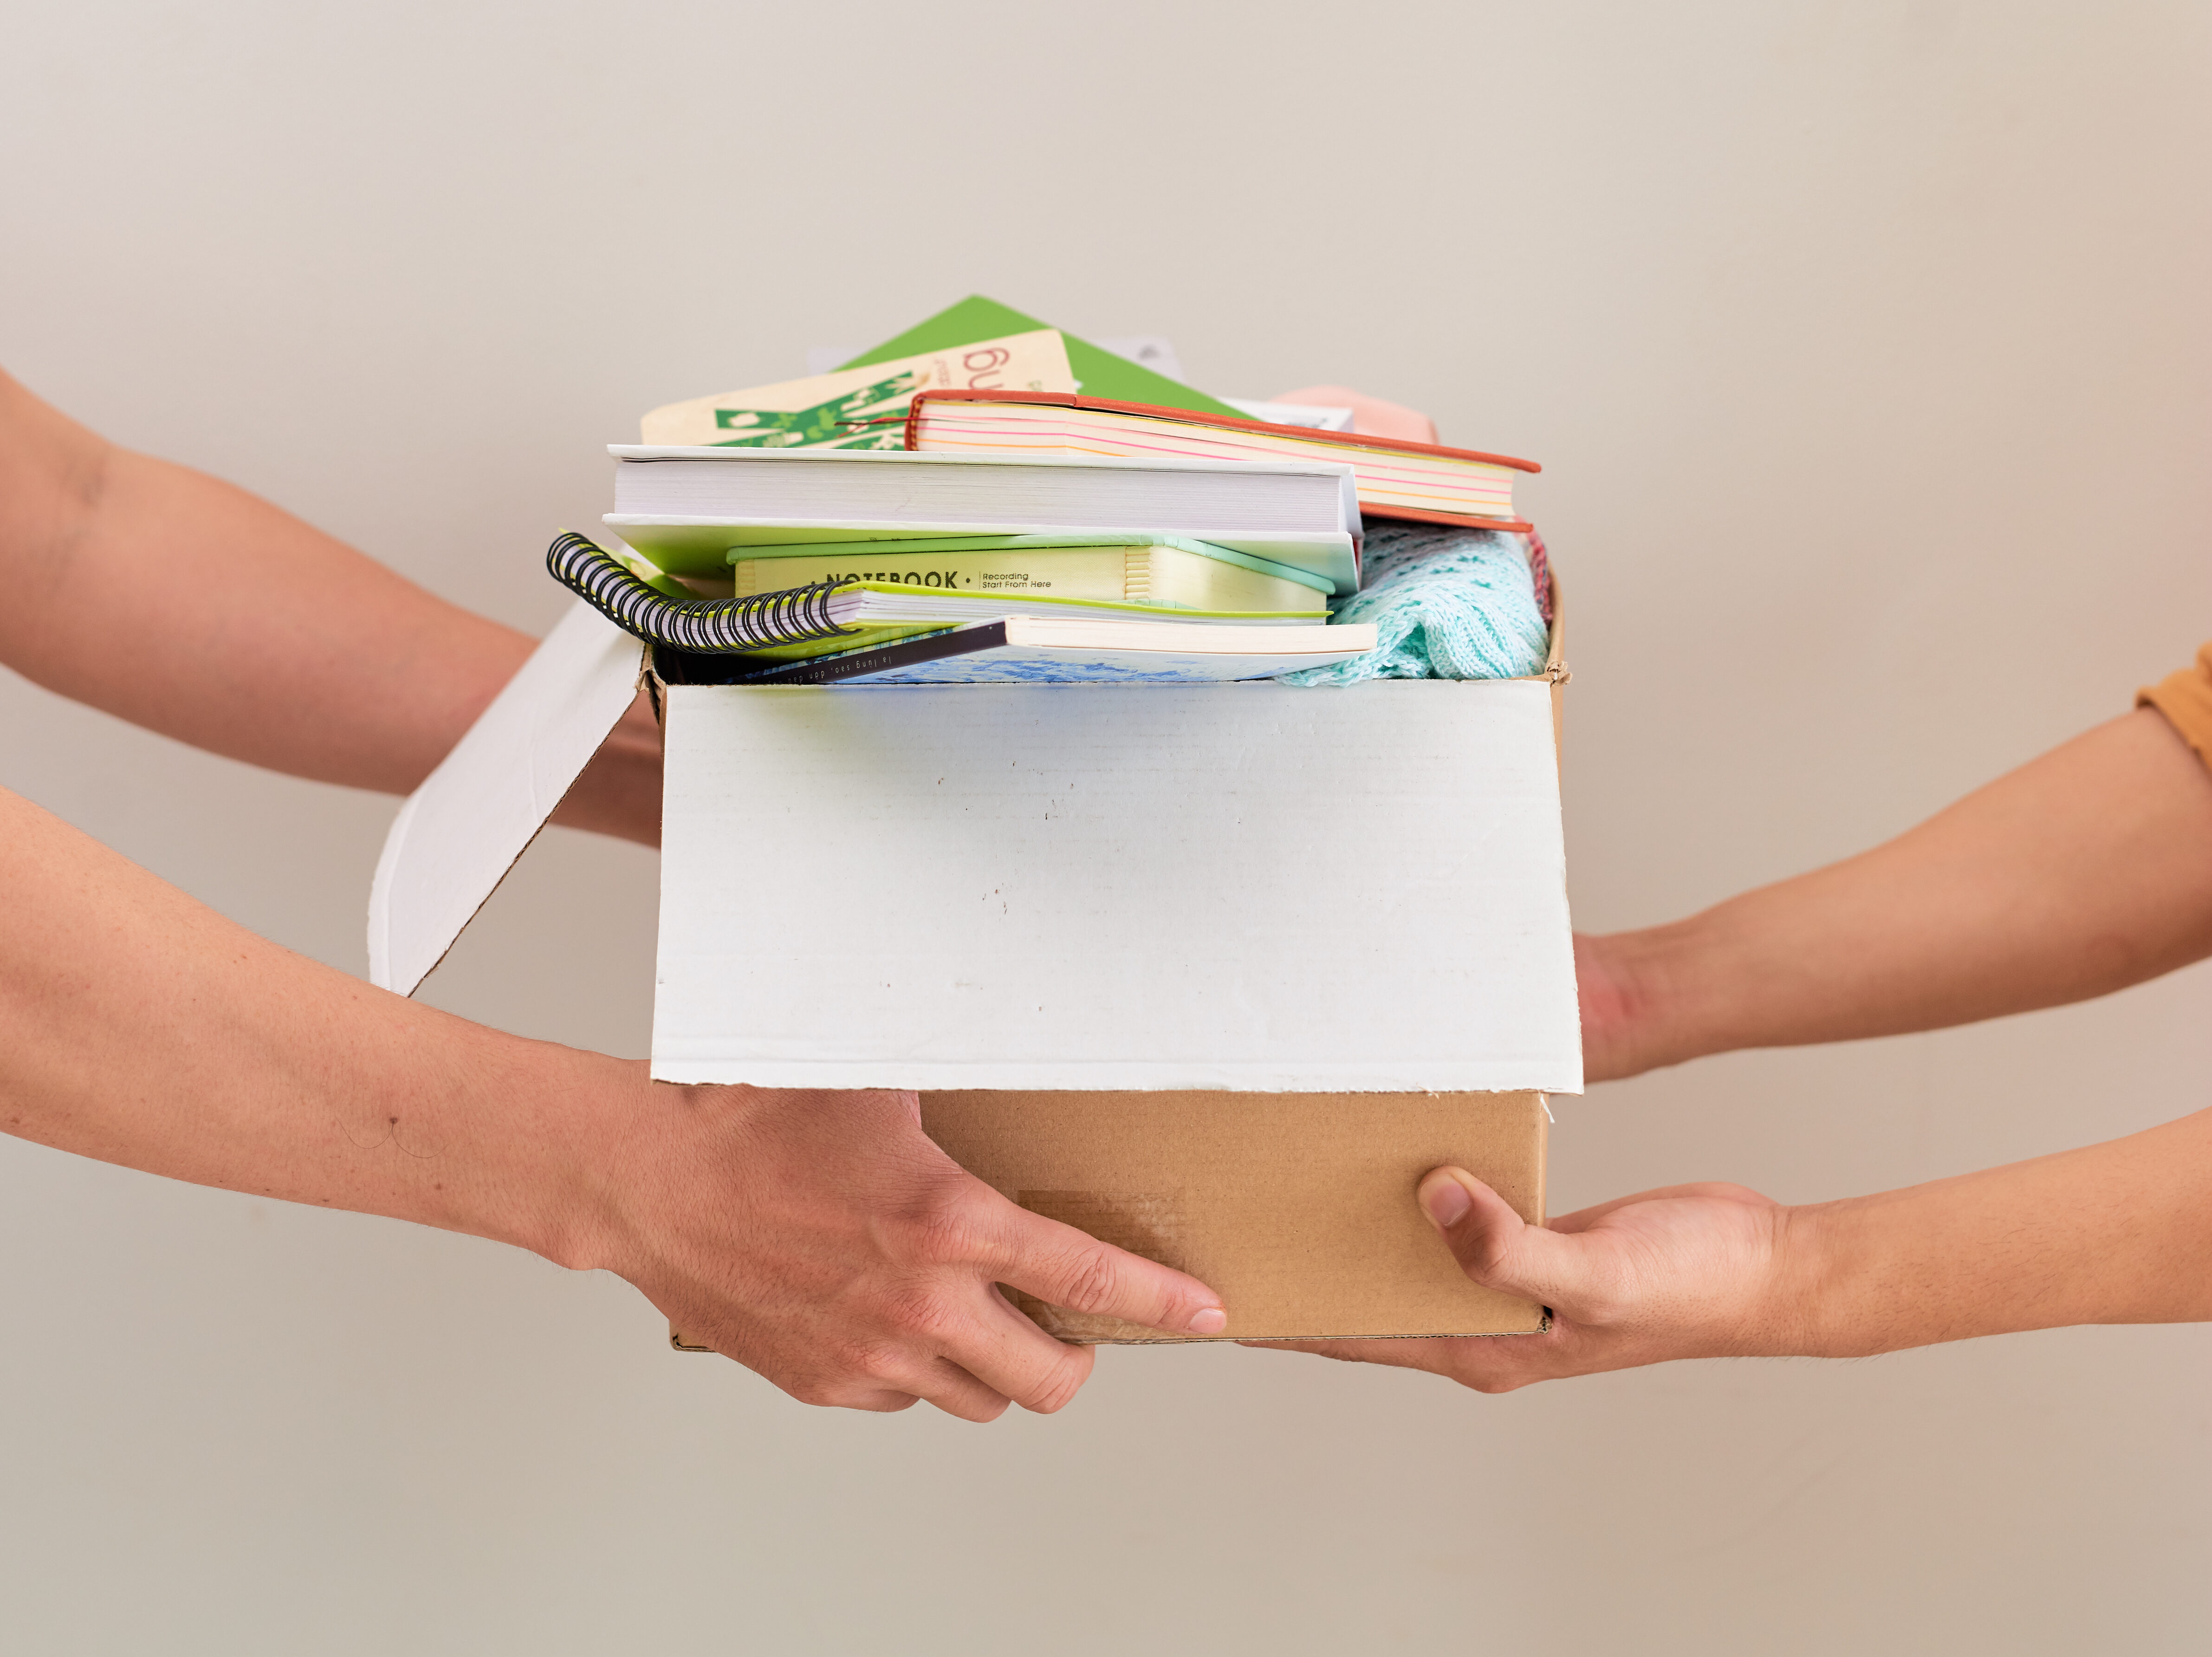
1496 1246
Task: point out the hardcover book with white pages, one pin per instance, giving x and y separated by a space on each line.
688 508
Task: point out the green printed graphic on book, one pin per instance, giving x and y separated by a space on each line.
861 408
1160 573
1102 372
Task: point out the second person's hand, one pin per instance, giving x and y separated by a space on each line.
1688 1271
824 1240
2115 1233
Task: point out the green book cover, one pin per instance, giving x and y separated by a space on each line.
1101 373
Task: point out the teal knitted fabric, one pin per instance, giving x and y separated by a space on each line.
1447 603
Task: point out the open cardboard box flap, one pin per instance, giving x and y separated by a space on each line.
457 835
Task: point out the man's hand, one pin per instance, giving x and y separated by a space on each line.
1690 1271
2115 1232
823 1240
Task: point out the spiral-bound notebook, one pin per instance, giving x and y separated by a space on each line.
1039 650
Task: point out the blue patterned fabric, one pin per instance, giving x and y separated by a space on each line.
1447 603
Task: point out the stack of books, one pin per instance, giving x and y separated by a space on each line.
986 498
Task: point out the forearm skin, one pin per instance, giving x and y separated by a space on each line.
139 1027
2111 1234
187 606
2083 872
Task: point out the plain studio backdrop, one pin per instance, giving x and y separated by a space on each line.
1866 351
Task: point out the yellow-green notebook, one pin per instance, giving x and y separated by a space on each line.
1159 572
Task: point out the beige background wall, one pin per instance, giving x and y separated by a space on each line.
1867 349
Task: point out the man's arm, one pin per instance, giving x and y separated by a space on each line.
188 606
2117 1232
819 1236
2086 870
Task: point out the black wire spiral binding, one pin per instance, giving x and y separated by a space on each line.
725 627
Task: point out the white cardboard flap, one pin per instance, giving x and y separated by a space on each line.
457 835
1247 886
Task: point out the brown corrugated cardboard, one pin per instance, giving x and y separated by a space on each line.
1298 1208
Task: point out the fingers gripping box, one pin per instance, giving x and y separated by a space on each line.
1215 972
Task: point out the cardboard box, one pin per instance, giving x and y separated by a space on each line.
1297 1208
1214 971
